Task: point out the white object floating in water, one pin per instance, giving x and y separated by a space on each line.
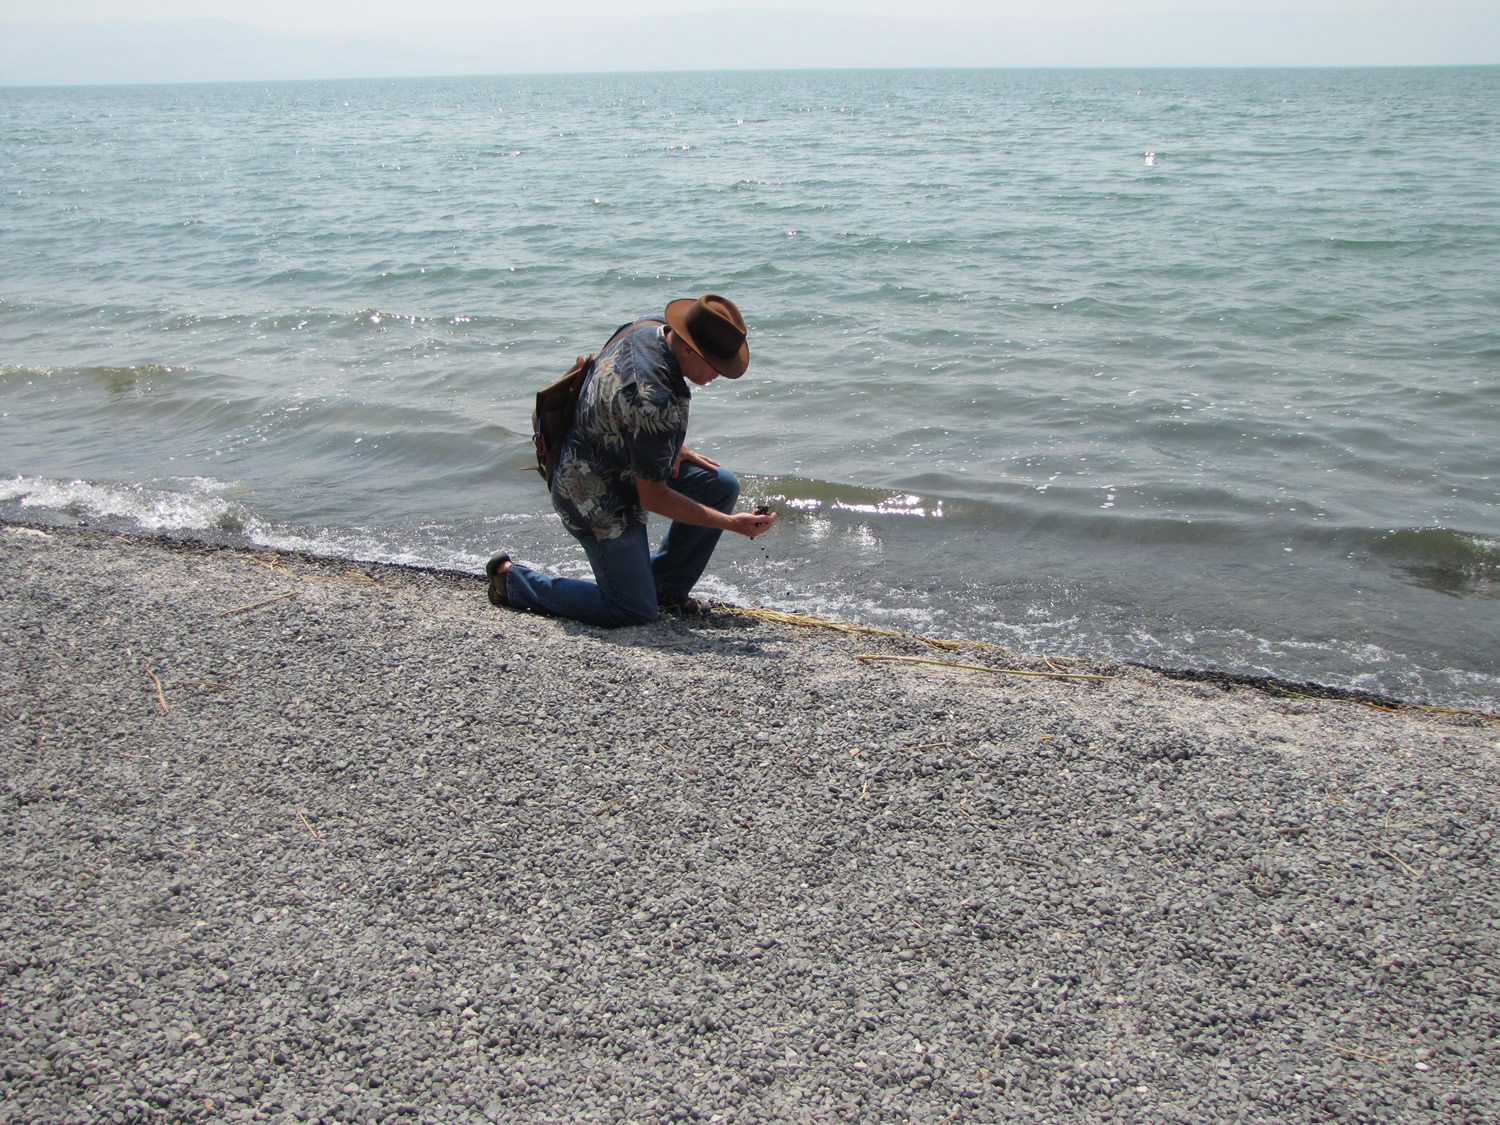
1150 159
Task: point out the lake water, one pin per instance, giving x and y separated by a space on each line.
1197 368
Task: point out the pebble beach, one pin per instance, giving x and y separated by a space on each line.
299 839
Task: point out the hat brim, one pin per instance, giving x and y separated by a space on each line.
732 367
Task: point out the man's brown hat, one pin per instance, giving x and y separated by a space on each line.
713 327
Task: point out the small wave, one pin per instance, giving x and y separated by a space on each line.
757 271
22 372
1441 544
1456 563
117 380
195 504
123 380
1369 244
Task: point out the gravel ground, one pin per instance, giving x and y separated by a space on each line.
377 851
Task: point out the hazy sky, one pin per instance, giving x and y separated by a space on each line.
354 15
353 38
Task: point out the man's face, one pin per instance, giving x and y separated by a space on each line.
695 369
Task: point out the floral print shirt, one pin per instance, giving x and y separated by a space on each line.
631 422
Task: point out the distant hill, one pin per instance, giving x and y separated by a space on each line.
197 51
219 50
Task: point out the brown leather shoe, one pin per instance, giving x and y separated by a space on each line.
680 604
496 575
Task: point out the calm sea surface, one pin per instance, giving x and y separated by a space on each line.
1198 368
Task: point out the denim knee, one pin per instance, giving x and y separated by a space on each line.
717 488
731 484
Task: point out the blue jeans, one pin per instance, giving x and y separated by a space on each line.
627 576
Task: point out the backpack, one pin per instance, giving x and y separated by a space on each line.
557 403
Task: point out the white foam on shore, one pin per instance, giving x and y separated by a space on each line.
194 504
203 507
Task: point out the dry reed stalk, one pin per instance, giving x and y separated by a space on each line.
1410 870
982 668
1391 708
356 576
808 621
160 698
1022 861
257 605
1419 820
1485 715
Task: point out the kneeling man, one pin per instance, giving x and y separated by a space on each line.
626 455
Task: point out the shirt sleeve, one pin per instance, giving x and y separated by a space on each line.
652 426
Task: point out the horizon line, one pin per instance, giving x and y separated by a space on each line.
746 70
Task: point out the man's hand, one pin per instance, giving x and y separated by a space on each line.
692 457
659 497
752 524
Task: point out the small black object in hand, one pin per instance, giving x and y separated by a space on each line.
763 511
